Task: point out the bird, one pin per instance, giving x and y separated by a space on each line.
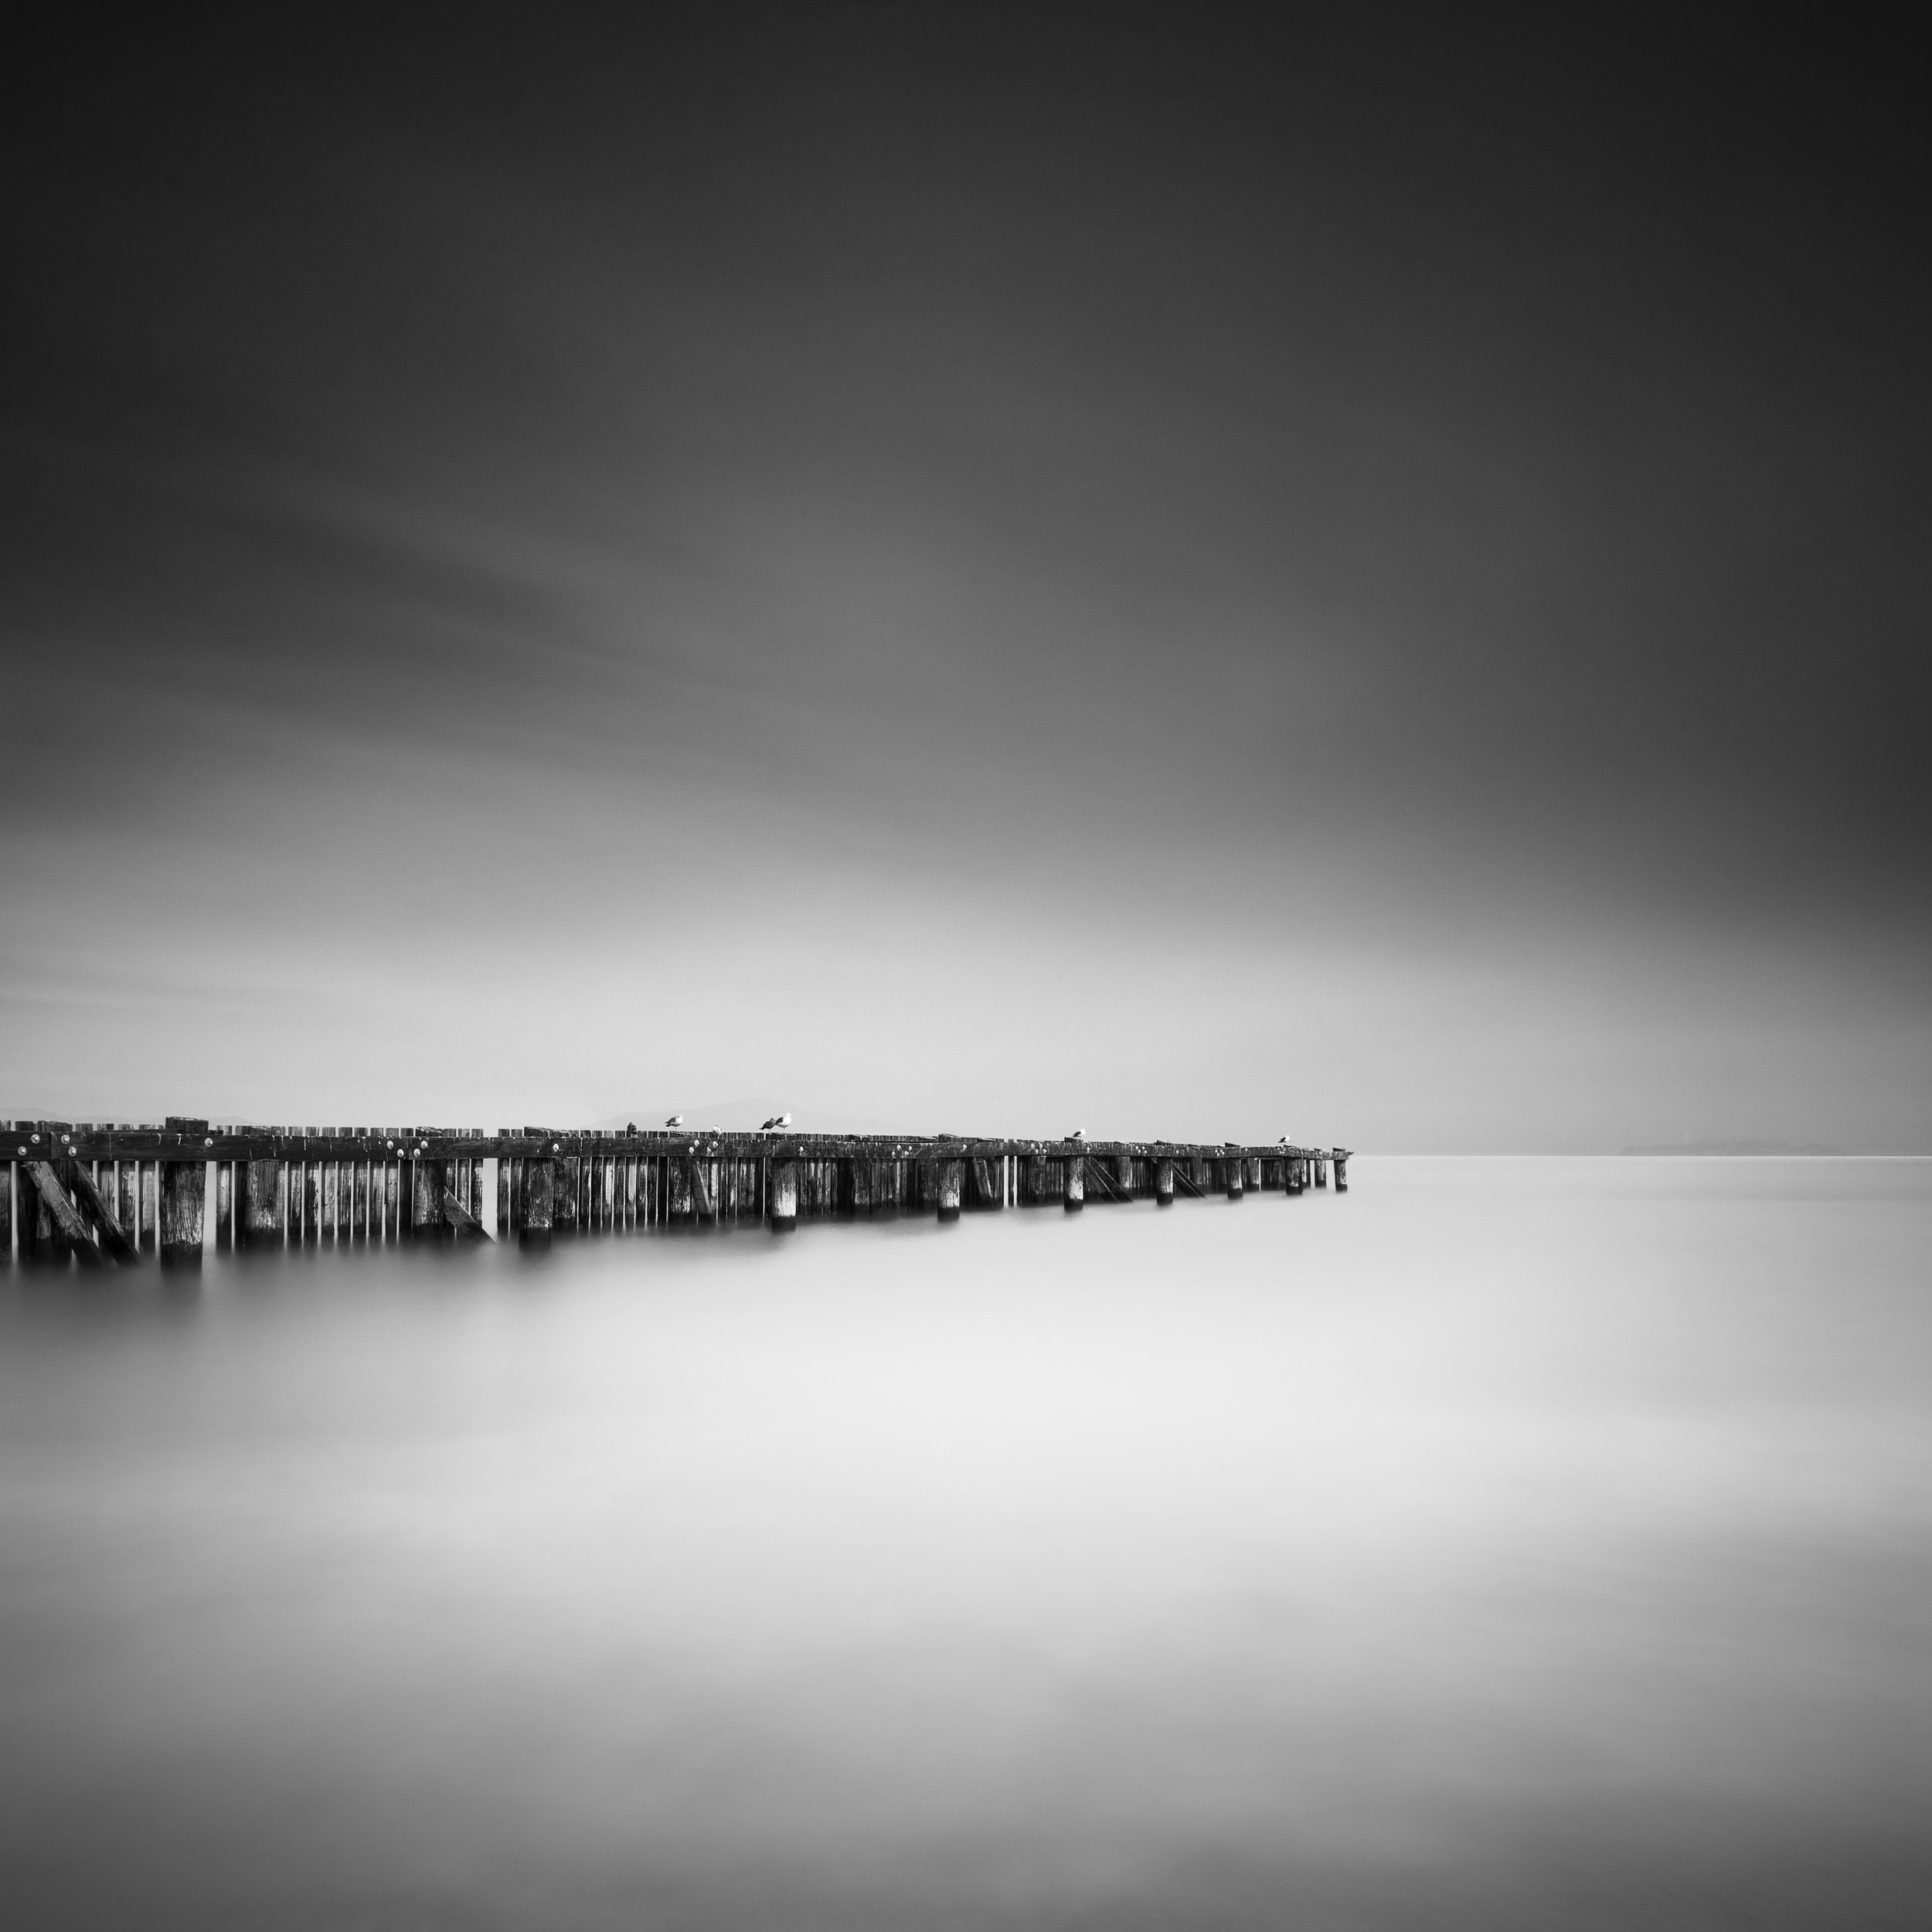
676 1120
1079 1134
777 1120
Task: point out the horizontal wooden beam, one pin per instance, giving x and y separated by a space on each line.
59 1141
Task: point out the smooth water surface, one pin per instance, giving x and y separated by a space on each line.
1509 1543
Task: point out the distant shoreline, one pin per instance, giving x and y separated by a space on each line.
1739 1147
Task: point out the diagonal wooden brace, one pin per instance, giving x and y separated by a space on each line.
114 1237
64 1211
461 1219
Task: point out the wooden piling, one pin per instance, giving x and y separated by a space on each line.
259 1212
1341 1171
28 1214
224 1206
952 1180
6 1210
1164 1182
427 1221
1320 1171
783 1184
148 1236
1073 1171
184 1186
535 1219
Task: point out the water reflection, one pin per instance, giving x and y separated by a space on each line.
1507 1542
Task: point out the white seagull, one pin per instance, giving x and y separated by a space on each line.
676 1120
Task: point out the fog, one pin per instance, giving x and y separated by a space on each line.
1499 1543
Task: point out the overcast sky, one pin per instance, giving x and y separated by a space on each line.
1180 585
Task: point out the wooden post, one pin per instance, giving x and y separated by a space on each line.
224 1206
259 1218
28 1213
503 1196
566 1173
952 1180
31 1226
1075 1168
6 1211
785 1195
425 1200
1231 1175
1164 1182
150 1207
126 1198
1320 1171
535 1222
184 1186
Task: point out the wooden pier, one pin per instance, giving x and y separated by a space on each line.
92 1195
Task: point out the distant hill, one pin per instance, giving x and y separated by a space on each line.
1736 1147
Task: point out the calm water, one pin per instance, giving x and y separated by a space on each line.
1504 1543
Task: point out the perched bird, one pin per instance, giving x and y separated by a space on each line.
777 1120
1079 1134
676 1120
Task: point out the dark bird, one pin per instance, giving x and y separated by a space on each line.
777 1120
676 1120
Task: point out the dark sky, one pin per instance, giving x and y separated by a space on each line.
975 576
